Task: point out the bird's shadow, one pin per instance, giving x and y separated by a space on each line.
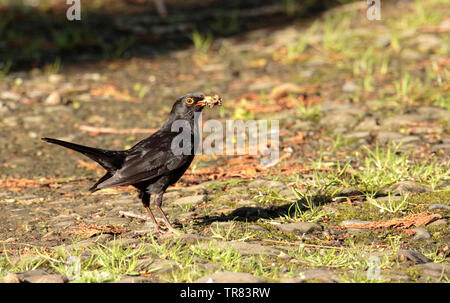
252 214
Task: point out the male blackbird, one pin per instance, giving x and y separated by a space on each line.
151 165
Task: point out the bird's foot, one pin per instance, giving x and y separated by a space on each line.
168 233
172 230
157 230
154 228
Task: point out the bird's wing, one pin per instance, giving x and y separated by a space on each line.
151 159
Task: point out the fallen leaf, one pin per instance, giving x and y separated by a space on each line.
85 230
113 92
418 219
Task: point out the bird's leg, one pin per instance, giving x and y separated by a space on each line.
158 202
145 197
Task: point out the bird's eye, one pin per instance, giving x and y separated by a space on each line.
189 101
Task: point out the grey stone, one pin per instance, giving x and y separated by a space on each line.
319 274
31 273
357 135
244 248
441 148
157 266
439 268
64 223
192 238
266 184
46 278
125 201
336 119
396 277
230 277
328 209
368 124
439 206
299 227
254 249
343 109
194 200
288 194
404 187
438 222
398 121
208 266
424 130
195 188
384 136
302 125
257 228
136 279
40 276
413 256
227 198
10 278
421 233
433 113
237 189
407 140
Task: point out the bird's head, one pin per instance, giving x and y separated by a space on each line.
194 102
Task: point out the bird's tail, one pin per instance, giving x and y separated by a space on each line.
109 159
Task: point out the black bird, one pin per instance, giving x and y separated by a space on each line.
151 165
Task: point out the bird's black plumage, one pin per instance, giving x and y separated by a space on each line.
150 165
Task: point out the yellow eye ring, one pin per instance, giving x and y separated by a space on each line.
189 101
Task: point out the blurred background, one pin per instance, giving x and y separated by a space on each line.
37 32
